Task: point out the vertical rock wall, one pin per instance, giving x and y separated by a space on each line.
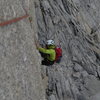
75 25
72 23
20 74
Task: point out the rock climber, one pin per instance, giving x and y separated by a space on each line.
50 53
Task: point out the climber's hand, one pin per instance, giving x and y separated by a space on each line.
37 45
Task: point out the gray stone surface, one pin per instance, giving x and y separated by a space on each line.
75 24
20 71
95 97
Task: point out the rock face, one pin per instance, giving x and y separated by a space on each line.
75 25
20 74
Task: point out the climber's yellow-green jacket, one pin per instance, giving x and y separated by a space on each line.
51 54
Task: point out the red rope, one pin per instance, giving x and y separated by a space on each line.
13 20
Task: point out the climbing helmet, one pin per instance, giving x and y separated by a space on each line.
50 42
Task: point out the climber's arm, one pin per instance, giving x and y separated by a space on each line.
43 50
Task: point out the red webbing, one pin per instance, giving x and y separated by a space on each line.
13 20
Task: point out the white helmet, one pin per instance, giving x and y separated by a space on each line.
50 42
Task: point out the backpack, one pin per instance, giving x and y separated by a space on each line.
58 51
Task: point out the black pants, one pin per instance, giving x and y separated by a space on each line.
47 62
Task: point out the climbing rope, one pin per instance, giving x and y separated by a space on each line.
13 20
16 19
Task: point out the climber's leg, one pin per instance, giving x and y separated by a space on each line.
47 63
